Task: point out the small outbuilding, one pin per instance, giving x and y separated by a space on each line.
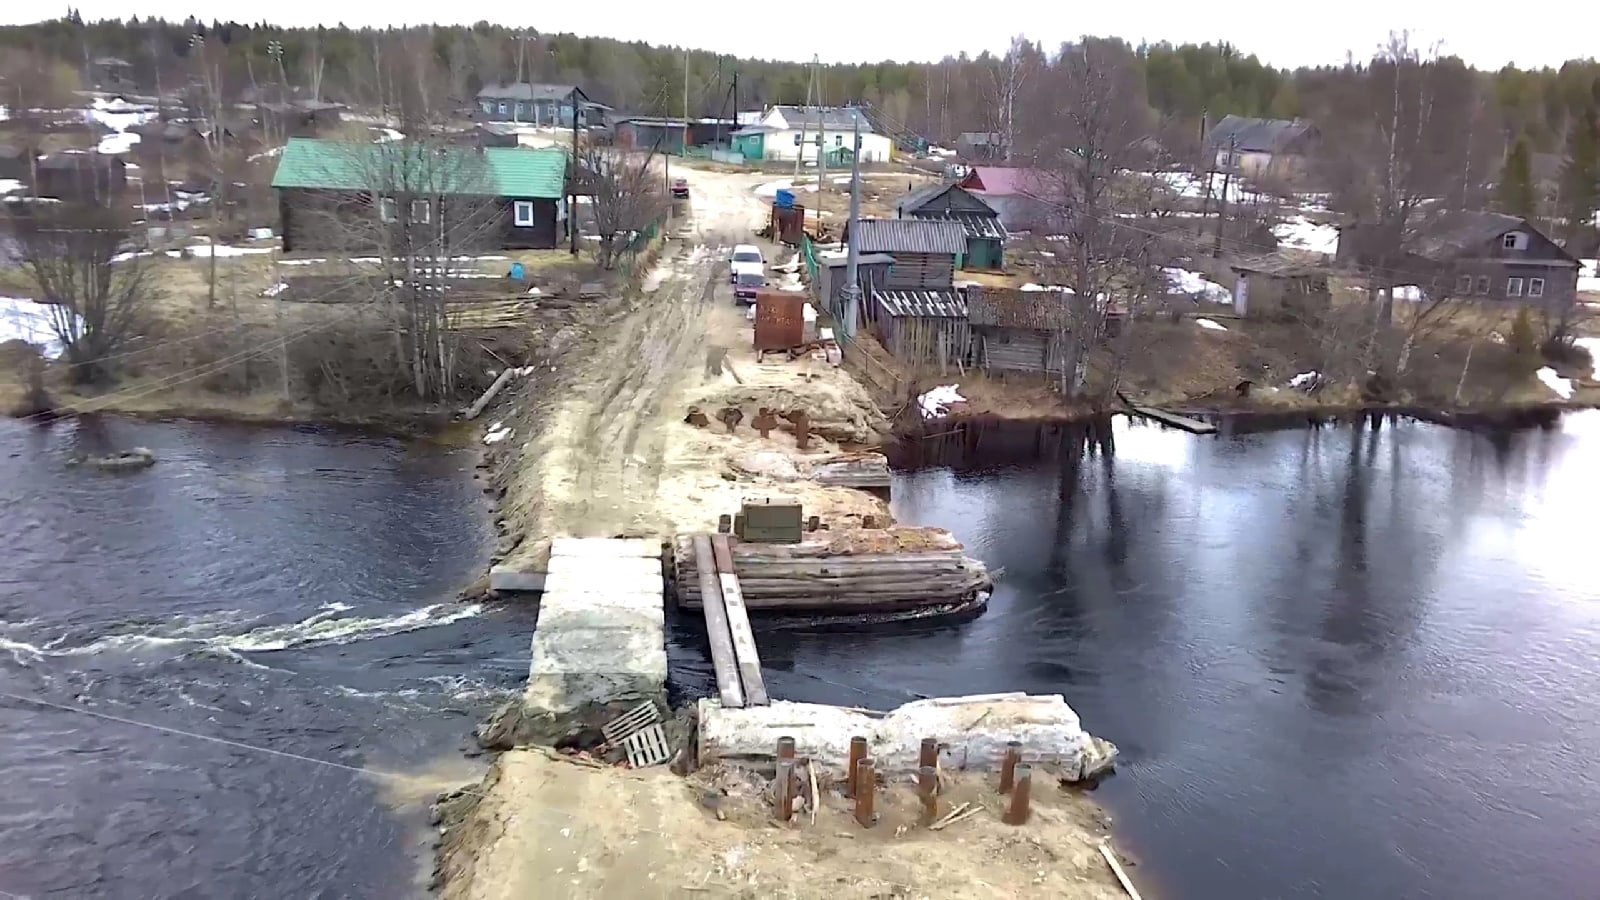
985 236
1015 330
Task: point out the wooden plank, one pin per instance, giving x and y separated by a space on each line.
744 640
1193 426
722 656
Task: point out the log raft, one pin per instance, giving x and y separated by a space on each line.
866 570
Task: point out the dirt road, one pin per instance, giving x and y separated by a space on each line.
612 455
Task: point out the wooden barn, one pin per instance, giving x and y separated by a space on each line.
1015 330
343 196
915 310
986 237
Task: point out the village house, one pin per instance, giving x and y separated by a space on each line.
300 118
1262 147
986 237
1015 330
110 70
328 189
667 135
916 312
1019 196
787 131
1467 255
80 175
539 104
16 162
981 146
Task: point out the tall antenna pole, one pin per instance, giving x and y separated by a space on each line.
852 272
800 151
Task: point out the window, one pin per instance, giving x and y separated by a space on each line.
1483 284
1514 240
1535 287
386 209
522 213
503 108
1464 285
1513 287
488 106
838 140
420 212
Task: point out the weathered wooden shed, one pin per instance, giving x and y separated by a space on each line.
871 270
985 236
923 328
1015 330
1272 287
924 250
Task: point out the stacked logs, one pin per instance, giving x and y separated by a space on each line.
855 571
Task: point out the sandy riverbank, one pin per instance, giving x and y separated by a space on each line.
601 447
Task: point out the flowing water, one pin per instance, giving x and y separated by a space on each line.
1339 663
287 590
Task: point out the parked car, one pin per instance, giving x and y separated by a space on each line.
680 188
746 285
746 258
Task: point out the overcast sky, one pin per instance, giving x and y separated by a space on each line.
1284 34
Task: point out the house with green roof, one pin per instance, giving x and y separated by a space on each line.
345 196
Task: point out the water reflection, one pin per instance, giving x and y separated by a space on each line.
1349 661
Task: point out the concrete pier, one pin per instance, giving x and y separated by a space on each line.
600 637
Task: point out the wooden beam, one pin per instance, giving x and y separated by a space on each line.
722 655
744 640
1193 426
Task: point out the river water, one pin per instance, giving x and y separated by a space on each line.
1339 663
282 589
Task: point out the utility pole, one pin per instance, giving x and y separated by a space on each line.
572 195
1222 202
685 102
852 271
800 149
822 146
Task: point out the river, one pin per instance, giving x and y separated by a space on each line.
282 590
1338 662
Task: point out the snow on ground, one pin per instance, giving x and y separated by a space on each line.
8 185
119 142
771 188
1189 185
937 402
1562 387
1303 234
1210 325
27 320
1589 276
119 116
386 134
1194 284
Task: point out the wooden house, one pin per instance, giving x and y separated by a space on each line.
986 237
81 176
916 312
1275 287
1015 330
1022 197
16 162
345 196
1467 255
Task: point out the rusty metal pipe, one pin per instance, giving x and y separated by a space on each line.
866 788
1008 765
929 753
928 793
858 752
783 793
1017 809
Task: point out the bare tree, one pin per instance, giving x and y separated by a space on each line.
74 254
627 198
1008 76
1099 131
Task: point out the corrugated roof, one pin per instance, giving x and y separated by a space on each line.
833 118
974 225
922 304
417 168
1257 135
1012 308
910 236
525 91
1457 231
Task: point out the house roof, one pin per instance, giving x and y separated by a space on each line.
936 201
833 118
492 171
942 304
522 90
910 236
1453 233
976 225
1257 135
1012 308
1006 181
980 138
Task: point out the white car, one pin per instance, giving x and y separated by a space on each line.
746 258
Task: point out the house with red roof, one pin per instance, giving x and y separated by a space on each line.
1022 196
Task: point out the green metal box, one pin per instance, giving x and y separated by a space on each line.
771 521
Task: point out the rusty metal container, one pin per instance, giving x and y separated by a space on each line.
780 320
788 224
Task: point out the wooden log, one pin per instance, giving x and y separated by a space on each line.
500 382
722 657
744 640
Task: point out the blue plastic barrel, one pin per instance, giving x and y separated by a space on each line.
516 273
784 199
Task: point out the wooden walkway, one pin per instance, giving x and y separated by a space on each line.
733 644
1193 426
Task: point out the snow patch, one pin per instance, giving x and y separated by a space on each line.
1194 284
937 402
9 185
1562 387
1210 325
1589 276
1301 233
31 322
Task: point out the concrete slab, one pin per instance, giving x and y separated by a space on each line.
559 692
605 582
637 548
573 617
564 600
593 649
585 565
505 579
